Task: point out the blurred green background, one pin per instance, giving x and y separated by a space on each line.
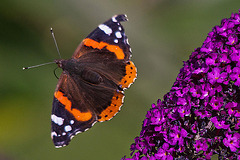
162 34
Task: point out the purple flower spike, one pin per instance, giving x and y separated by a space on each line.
200 116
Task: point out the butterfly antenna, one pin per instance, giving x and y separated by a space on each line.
47 62
55 42
37 65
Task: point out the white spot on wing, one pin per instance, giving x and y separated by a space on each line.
57 120
127 41
114 19
72 121
118 34
78 132
53 134
107 30
67 128
130 49
94 123
86 129
119 28
60 146
115 41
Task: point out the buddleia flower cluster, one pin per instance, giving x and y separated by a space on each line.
200 117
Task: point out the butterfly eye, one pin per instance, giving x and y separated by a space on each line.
59 63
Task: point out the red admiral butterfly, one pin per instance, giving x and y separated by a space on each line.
90 88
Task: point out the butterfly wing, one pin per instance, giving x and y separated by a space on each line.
109 35
66 119
91 86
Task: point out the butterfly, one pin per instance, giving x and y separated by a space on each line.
91 86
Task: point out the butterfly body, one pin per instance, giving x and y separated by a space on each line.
91 86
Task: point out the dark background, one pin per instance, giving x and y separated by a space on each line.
162 34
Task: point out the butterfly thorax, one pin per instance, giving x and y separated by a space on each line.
74 68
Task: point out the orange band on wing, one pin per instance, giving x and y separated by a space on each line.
100 45
113 109
131 75
80 116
